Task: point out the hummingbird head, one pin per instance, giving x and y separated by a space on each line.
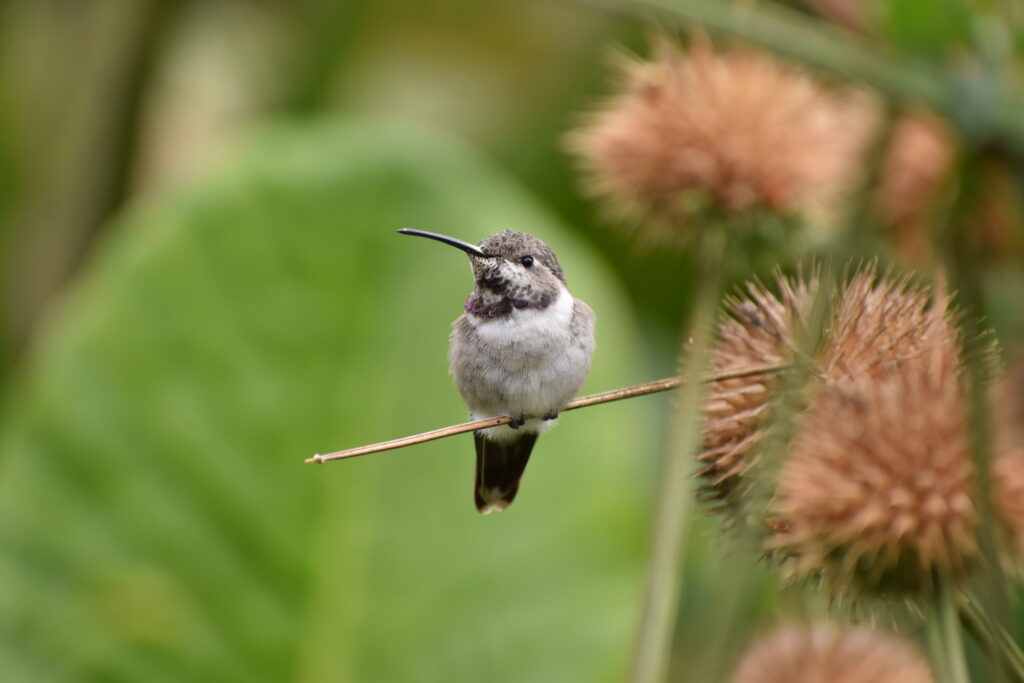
512 270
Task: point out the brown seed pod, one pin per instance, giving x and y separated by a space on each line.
918 169
726 129
1008 471
1008 466
877 490
878 322
757 328
917 162
826 654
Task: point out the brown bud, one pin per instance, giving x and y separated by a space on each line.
877 489
879 321
730 129
825 654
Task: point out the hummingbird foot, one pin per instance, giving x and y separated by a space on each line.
517 422
553 415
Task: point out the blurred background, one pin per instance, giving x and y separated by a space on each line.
105 102
202 287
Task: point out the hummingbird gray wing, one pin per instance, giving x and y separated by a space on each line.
499 467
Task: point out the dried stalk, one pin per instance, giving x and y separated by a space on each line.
582 402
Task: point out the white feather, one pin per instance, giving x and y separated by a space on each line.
533 362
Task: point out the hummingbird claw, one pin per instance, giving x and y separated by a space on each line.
552 415
518 422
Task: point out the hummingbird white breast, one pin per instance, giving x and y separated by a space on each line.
528 363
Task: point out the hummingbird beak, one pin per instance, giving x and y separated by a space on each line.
458 244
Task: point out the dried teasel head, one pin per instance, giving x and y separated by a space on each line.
728 130
919 164
997 226
877 491
879 320
1008 472
826 654
1008 464
919 159
757 328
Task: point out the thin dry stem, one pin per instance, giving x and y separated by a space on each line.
582 402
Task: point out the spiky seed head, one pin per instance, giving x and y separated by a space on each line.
826 654
879 321
1008 465
917 162
1008 472
757 328
727 129
998 235
877 491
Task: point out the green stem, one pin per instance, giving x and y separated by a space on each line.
950 627
992 638
944 637
675 499
964 266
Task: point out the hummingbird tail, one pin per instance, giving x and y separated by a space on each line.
499 466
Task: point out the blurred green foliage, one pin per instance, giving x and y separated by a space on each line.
156 521
213 71
928 27
174 340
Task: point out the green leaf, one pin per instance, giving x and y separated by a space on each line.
928 27
157 522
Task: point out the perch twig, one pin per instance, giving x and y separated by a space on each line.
581 402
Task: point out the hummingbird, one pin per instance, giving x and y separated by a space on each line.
522 348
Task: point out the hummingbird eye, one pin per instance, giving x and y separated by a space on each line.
527 261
